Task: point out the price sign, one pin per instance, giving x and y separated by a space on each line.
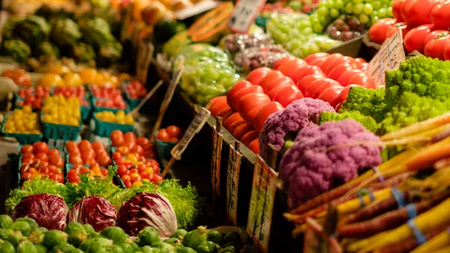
196 125
244 15
261 204
217 141
196 9
317 241
389 57
233 171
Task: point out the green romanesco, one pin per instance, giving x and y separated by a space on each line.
411 108
368 102
367 121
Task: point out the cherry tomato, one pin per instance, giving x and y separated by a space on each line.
54 152
27 156
96 145
85 146
42 156
117 138
173 131
163 135
124 150
40 147
87 155
56 160
122 170
173 139
75 159
26 149
130 137
142 141
256 75
104 172
45 170
414 39
135 177
145 175
26 176
104 160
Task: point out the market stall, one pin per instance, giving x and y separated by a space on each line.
224 126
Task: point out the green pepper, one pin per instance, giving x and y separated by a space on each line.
76 233
207 247
6 221
114 233
148 236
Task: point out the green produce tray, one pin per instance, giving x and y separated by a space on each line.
132 102
164 147
261 21
101 109
85 110
61 132
104 129
21 138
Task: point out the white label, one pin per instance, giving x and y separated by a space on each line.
244 14
216 160
195 9
389 57
233 171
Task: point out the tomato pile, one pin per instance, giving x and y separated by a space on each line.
22 121
39 161
170 134
60 110
120 117
19 76
92 154
136 90
108 97
128 143
33 96
73 176
75 92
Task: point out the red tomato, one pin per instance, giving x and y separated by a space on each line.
318 86
19 76
284 60
305 71
104 172
439 15
339 70
126 178
377 32
135 177
124 150
84 146
163 135
25 176
27 156
56 160
104 160
233 121
271 77
96 145
72 147
54 152
122 170
87 155
144 174
138 149
241 130
312 57
250 101
418 12
234 101
415 38
117 138
332 61
331 95
435 47
219 105
263 114
288 95
142 141
286 82
343 95
434 34
397 10
249 137
256 75
174 131
40 147
254 146
290 69
26 149
42 156
130 137
363 80
319 62
252 114
345 77
303 84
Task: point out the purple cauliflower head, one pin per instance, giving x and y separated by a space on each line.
299 114
326 156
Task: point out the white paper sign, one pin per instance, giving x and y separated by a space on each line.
244 15
233 171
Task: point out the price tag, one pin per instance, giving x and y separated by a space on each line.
233 171
389 57
317 241
244 15
260 214
196 125
217 141
195 9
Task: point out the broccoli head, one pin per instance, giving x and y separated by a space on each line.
286 123
16 49
368 102
367 121
326 156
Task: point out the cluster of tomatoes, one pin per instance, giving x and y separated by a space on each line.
171 134
108 97
19 76
133 173
136 90
73 176
33 96
128 143
87 153
76 92
39 161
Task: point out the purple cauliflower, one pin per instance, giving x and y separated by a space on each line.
323 157
299 114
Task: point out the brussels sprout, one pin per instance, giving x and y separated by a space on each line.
5 233
36 236
15 237
148 236
26 247
53 238
178 233
6 221
33 224
76 233
6 247
114 233
40 248
22 226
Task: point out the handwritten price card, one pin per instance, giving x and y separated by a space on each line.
196 125
244 15
389 57
217 141
261 204
233 170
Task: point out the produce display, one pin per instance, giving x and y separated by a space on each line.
120 117
22 121
171 134
60 110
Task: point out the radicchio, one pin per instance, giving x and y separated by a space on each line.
49 211
147 209
95 211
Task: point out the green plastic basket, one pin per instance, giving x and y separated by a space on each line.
61 132
104 129
164 148
132 102
21 138
100 109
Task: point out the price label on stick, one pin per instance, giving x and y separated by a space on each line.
244 15
264 187
233 171
389 57
196 125
195 9
217 141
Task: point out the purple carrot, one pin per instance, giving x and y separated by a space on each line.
441 135
408 245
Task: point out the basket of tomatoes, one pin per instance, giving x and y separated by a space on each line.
39 161
31 96
134 92
106 122
167 139
74 172
107 99
87 153
23 125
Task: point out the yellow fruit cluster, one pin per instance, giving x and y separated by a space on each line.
23 121
120 117
102 78
67 79
60 110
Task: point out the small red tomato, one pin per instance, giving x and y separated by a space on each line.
104 172
84 146
163 135
122 170
104 160
75 159
137 149
26 149
40 147
117 138
88 155
173 131
142 141
54 152
42 156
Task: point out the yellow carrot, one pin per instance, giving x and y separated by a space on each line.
426 222
418 137
443 250
418 127
435 243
